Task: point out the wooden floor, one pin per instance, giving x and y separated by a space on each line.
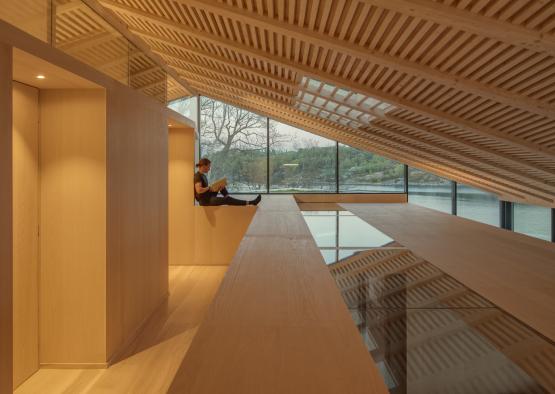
513 271
150 363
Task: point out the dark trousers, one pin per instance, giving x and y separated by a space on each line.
212 199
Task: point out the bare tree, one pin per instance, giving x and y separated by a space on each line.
226 127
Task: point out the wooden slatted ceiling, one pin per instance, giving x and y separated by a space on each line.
467 88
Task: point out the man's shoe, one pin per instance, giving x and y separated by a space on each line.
256 201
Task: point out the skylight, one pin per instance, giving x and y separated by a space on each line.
339 105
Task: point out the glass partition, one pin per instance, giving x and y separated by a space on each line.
81 33
365 172
532 220
429 190
477 205
234 140
300 161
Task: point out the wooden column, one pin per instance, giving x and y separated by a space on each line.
6 243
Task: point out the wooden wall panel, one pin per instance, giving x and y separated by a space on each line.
6 245
25 230
137 276
218 231
181 199
73 227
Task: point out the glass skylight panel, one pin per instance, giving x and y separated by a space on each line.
327 90
354 113
341 94
313 110
355 99
307 98
342 110
314 85
331 106
320 102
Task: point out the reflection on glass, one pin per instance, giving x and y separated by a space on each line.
186 106
532 220
235 141
300 161
428 333
429 190
356 233
365 172
323 229
477 205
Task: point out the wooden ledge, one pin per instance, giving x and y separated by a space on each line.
278 323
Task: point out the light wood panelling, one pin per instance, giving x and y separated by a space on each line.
513 271
6 229
352 198
25 231
137 273
148 365
217 233
181 200
278 323
73 227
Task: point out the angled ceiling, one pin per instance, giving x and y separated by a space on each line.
464 89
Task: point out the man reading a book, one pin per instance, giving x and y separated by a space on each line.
207 195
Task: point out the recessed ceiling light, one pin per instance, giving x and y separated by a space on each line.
40 76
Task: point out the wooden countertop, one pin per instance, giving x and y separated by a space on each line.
514 271
278 323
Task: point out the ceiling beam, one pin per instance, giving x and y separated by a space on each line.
211 57
341 46
225 78
300 69
471 22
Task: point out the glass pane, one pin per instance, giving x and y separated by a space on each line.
429 190
175 90
365 172
329 255
146 76
323 230
235 141
477 205
84 35
300 161
356 233
31 16
186 106
532 220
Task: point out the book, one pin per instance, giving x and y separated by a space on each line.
219 184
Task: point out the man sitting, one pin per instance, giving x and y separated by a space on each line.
205 196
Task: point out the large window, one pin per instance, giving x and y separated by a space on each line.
185 106
477 205
429 190
235 141
300 161
365 172
532 220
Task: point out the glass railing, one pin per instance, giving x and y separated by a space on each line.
426 331
76 29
